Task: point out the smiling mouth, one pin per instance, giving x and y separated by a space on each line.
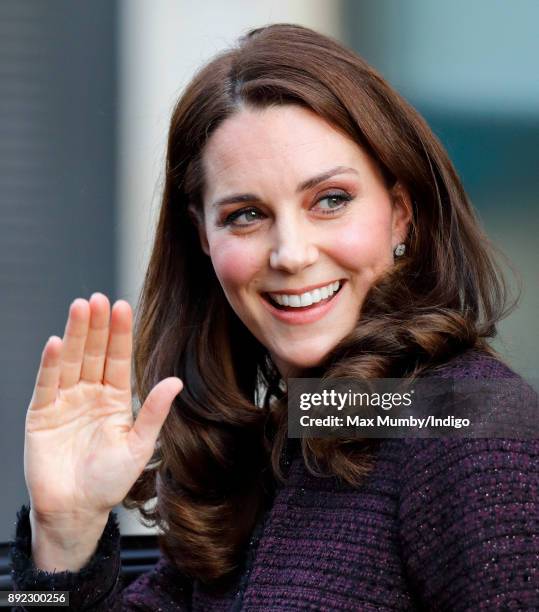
269 299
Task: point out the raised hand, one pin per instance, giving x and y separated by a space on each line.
83 450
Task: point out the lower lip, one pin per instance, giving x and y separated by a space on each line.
307 315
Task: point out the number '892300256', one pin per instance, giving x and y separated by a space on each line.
34 598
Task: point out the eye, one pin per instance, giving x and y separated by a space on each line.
245 216
335 202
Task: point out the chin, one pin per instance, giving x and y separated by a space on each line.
295 361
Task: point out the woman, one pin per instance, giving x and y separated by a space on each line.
311 225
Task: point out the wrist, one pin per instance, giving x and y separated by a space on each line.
65 543
66 525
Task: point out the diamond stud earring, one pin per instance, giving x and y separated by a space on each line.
399 249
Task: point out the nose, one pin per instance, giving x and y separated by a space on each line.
294 247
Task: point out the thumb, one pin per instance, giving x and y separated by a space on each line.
153 413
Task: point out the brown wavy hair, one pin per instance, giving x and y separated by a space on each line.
219 453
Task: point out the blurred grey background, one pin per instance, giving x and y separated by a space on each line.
86 92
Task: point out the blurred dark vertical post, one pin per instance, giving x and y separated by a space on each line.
57 185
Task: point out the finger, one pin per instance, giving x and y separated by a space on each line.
73 345
93 361
119 349
48 375
152 415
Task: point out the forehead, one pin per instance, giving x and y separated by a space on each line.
282 141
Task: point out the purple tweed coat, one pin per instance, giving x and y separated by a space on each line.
439 524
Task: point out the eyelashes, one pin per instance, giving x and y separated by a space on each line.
253 214
233 217
342 200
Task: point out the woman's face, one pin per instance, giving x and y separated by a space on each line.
298 224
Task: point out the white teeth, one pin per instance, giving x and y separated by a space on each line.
294 300
307 298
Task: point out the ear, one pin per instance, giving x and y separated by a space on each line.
402 213
198 221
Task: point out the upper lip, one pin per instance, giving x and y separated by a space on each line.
304 289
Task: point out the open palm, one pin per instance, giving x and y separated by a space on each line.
83 449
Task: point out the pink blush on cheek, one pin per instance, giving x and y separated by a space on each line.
356 248
234 264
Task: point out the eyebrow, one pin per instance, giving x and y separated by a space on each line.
304 186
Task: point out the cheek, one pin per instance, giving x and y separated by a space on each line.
235 263
365 248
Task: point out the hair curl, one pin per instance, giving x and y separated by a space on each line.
219 452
